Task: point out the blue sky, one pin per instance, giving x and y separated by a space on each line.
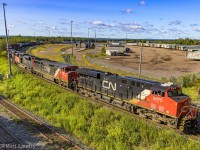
110 18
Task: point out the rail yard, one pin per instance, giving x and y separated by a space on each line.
72 85
90 75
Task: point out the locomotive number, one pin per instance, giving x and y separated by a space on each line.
109 85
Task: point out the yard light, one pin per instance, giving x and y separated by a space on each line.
71 38
7 45
88 37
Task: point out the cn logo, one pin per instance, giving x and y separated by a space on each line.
47 69
109 85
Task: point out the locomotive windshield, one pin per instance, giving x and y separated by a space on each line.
174 92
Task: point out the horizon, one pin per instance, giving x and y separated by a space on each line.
4 36
141 19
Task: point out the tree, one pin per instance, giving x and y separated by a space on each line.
103 51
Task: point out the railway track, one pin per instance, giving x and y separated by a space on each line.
8 140
55 138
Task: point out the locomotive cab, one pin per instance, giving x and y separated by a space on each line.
169 99
184 107
67 75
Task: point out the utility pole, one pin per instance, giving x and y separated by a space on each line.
71 39
140 65
88 37
126 39
49 36
95 39
8 53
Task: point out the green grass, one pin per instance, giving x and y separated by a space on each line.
55 54
99 127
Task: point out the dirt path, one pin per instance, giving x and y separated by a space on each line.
156 62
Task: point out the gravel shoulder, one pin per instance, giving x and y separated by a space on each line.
29 139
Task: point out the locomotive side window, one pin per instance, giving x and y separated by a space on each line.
158 93
124 81
98 76
154 92
175 92
133 83
142 85
170 93
138 84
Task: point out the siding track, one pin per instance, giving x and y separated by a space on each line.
55 138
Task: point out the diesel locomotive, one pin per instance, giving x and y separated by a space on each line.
161 102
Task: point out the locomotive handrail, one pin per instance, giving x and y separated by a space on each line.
193 111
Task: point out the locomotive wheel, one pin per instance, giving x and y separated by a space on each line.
73 86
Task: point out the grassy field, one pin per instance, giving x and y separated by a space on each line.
54 54
99 127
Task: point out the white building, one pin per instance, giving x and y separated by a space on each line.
193 54
114 51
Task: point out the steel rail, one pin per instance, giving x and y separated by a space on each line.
8 140
53 136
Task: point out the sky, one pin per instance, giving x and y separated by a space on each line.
150 19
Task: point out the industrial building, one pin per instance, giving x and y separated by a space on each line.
193 54
115 51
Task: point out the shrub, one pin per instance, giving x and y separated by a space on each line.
103 51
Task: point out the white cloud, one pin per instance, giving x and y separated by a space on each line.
110 25
197 29
193 25
136 27
127 11
11 25
64 21
54 28
175 22
97 23
41 22
143 3
100 23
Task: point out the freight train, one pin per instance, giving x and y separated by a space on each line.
162 102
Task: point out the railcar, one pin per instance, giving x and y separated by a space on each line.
162 102
58 72
14 46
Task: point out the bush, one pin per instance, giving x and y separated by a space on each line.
103 51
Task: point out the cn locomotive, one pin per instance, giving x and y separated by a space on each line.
162 102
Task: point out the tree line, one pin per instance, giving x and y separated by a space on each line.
22 39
